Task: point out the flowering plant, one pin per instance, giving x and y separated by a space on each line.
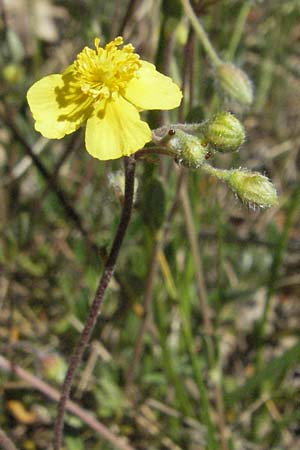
105 88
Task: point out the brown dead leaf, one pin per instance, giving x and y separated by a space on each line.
19 412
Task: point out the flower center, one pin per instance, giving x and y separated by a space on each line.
104 72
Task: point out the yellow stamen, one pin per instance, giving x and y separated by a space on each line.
104 73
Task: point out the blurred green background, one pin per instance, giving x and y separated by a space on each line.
197 346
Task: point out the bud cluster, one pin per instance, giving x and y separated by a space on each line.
189 150
192 144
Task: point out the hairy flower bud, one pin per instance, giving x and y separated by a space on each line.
252 187
224 132
188 149
235 83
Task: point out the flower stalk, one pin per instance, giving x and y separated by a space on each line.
232 81
97 302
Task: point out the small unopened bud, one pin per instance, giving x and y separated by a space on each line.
53 366
13 73
252 187
235 83
224 132
117 182
188 149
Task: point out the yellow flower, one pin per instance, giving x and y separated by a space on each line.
106 88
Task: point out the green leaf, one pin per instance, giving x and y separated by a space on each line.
74 443
153 204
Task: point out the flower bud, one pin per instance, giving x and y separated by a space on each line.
13 73
117 182
224 132
235 83
53 366
252 187
188 149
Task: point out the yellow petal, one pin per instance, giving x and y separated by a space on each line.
57 107
152 89
116 131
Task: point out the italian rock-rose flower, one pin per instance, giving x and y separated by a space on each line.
106 88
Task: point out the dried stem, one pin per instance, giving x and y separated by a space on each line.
72 407
98 300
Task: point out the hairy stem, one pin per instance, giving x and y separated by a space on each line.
238 29
98 300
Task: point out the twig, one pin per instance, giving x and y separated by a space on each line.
72 407
98 300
